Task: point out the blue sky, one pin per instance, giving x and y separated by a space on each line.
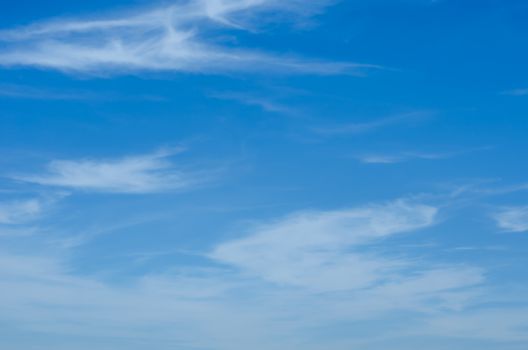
263 174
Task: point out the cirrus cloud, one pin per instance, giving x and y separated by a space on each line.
148 173
514 219
183 37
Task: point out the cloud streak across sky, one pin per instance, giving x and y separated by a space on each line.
148 173
183 37
363 127
401 157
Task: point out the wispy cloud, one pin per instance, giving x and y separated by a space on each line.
182 37
16 212
135 174
485 188
514 219
369 126
258 296
516 92
393 158
399 158
265 103
315 249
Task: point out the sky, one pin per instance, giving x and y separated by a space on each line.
263 174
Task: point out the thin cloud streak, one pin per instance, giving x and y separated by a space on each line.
399 158
266 104
136 174
170 38
370 126
516 92
395 158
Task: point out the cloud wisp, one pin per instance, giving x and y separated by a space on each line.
369 126
183 37
399 158
514 219
135 174
16 212
265 103
325 251
394 158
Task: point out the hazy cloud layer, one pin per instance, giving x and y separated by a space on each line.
260 290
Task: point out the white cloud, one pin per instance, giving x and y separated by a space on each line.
136 174
21 211
265 103
402 157
369 126
182 37
513 219
318 250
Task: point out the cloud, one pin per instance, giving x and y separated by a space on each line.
264 103
513 219
394 158
136 174
183 37
516 92
311 271
369 126
16 212
398 158
315 249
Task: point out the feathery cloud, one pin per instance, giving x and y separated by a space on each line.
399 158
182 37
272 275
513 219
265 103
16 212
313 249
136 174
393 158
